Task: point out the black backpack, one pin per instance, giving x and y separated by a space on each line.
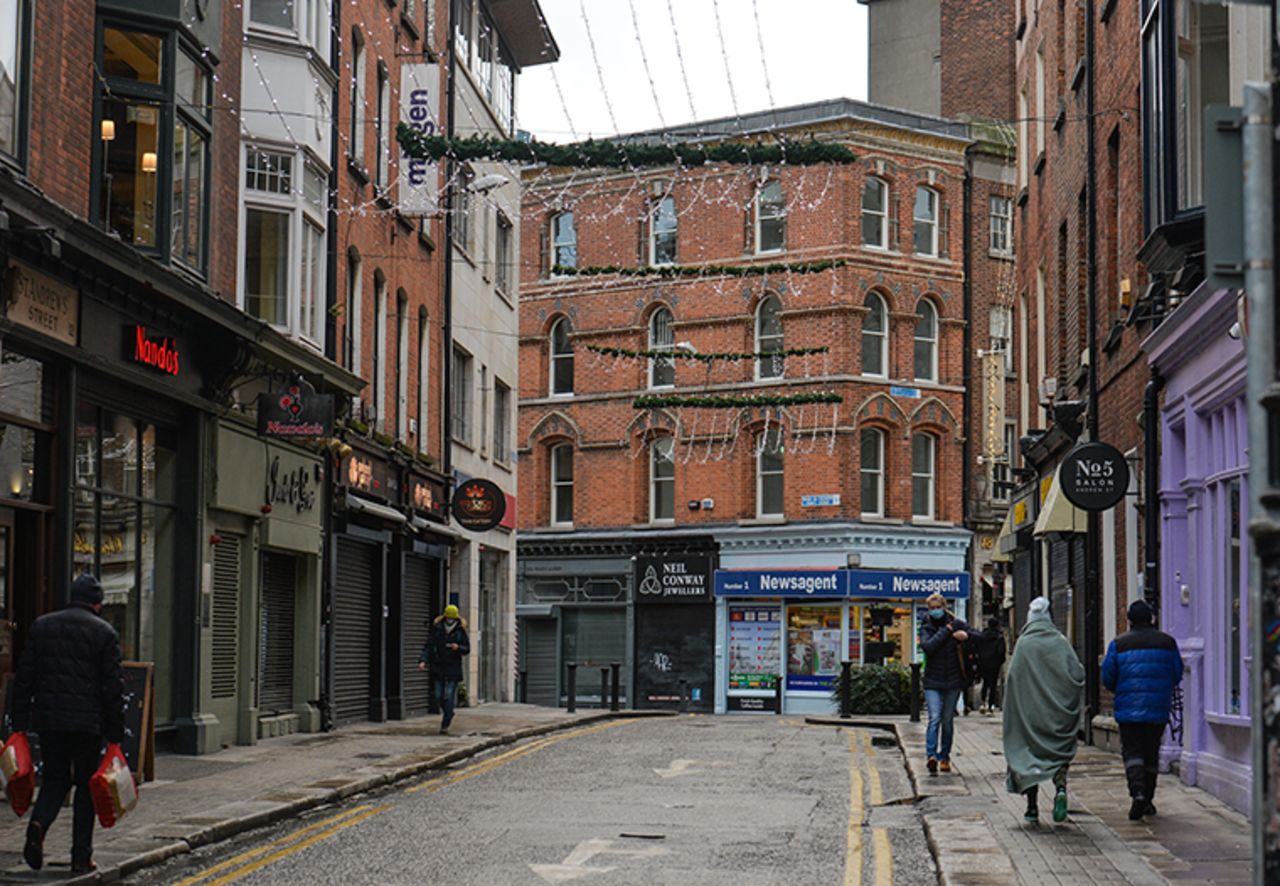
970 655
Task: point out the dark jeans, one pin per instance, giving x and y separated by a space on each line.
1140 748
70 758
447 698
941 704
991 688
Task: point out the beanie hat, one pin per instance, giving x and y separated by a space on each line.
86 589
1039 609
1141 613
451 611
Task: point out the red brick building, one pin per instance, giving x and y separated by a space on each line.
874 481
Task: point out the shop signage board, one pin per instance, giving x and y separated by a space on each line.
993 406
146 348
887 585
41 303
419 191
782 582
828 500
673 578
428 498
478 504
1094 476
365 473
296 411
292 485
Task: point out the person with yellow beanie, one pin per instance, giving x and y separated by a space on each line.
443 654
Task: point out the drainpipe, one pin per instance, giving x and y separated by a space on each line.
966 470
1151 487
1093 585
446 358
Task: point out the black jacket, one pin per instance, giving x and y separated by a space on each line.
942 655
445 663
70 678
991 650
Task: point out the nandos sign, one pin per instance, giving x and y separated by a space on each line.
1094 476
160 353
297 411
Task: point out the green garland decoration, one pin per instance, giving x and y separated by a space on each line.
656 401
725 356
618 155
678 271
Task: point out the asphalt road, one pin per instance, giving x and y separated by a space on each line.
690 800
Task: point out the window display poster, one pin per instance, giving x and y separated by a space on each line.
755 646
813 647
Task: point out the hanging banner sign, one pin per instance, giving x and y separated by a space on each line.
1094 476
478 505
297 411
428 498
419 192
993 407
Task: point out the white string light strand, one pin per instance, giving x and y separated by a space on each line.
644 59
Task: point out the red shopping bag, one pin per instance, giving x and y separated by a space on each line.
17 774
112 787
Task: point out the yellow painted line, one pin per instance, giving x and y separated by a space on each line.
356 813
261 863
884 857
873 774
853 841
492 763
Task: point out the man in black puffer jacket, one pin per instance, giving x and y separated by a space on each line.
70 691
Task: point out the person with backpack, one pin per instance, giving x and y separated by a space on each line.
942 638
1043 691
991 655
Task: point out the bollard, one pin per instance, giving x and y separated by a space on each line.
604 688
573 686
522 691
915 692
777 695
684 695
846 689
616 667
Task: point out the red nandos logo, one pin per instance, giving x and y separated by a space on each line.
158 353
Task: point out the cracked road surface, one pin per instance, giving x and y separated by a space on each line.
688 800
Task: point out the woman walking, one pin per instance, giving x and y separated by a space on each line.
1042 694
941 637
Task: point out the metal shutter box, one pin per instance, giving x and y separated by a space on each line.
225 669
275 631
353 629
417 608
538 645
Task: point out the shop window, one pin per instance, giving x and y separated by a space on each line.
662 369
884 633
923 473
769 479
662 232
562 485
769 339
662 479
771 218
875 213
152 157
926 341
872 472
125 531
755 647
875 337
561 358
564 242
813 647
14 15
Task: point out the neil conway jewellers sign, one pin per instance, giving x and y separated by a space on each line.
673 578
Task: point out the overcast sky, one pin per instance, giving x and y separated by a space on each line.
813 49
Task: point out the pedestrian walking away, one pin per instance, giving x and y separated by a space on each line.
991 656
69 690
443 653
1142 668
1042 698
941 637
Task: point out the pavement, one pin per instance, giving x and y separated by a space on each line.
976 831
197 801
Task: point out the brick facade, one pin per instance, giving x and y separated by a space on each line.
977 56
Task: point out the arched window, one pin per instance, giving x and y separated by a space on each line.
662 233
769 487
662 370
562 485
875 337
926 341
769 338
872 469
923 472
925 217
875 213
662 479
561 358
771 218
564 241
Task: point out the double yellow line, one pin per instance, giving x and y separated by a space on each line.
256 859
881 848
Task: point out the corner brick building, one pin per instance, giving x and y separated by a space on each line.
615 499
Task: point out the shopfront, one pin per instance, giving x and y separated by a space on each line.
415 600
674 625
795 627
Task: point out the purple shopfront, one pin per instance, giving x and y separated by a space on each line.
1204 545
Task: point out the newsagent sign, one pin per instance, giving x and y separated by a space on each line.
673 578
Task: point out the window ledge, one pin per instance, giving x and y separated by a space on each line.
1060 119
464 444
358 170
1077 79
1038 166
1228 719
382 200
928 521
410 25
1113 338
559 527
405 221
505 296
1022 28
772 520
653 523
999 255
1022 197
426 239
1108 7
503 464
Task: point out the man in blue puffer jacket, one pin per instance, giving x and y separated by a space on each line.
1142 668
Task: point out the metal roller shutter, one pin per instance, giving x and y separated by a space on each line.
225 667
275 631
538 645
418 608
353 629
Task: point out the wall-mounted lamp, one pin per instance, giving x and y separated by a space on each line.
108 130
148 161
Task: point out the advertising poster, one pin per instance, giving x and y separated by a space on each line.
755 637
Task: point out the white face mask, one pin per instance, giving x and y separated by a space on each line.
450 623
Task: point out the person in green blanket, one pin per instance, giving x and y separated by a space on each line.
1042 696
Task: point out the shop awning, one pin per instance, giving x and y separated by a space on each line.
998 554
1059 515
363 505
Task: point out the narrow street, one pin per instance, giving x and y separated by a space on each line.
692 800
